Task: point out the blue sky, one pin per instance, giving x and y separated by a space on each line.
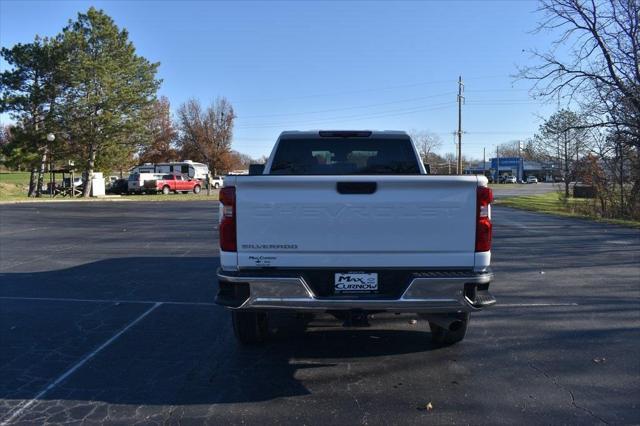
309 65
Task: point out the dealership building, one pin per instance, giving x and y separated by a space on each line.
515 166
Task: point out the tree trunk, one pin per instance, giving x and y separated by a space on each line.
33 181
566 166
91 165
621 180
41 172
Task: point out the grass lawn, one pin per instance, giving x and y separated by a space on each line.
15 185
550 203
16 178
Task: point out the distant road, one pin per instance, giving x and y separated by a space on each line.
516 189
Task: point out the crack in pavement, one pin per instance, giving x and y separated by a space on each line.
554 380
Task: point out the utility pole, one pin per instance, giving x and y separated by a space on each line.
460 99
455 149
484 162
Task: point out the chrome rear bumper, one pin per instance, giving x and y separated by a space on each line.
440 293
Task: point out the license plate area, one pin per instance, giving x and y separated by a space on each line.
355 282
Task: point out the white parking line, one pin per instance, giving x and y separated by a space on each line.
143 302
531 305
151 302
16 413
17 231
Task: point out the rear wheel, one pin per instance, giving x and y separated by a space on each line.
196 189
454 334
250 327
216 185
166 190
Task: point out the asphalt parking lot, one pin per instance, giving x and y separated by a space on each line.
106 316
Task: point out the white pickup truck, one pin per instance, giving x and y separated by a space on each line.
349 223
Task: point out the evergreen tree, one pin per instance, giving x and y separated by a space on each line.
107 106
30 92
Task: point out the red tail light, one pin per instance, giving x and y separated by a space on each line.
228 219
483 218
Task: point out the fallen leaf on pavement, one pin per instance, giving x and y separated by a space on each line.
427 407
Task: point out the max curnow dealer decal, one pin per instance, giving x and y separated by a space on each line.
262 260
356 282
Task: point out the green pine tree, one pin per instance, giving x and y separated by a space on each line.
108 104
30 91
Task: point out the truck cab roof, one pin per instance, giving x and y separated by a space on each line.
307 134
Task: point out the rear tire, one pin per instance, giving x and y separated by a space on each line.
216 186
250 328
196 189
444 337
166 190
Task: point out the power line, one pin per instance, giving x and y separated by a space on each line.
346 108
390 113
370 89
343 92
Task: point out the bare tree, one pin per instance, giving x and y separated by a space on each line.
562 138
426 143
602 70
235 160
162 133
205 134
451 163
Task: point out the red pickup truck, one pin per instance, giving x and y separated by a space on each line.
175 183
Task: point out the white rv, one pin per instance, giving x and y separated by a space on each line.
186 168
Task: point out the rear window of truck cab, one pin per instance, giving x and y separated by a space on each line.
345 156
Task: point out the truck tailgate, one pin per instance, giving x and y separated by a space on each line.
303 221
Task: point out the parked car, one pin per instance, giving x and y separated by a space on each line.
532 179
510 179
108 181
217 182
120 186
357 228
175 183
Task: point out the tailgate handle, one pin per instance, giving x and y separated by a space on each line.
356 187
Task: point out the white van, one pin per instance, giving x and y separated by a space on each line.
135 182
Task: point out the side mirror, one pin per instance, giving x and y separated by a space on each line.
256 169
427 168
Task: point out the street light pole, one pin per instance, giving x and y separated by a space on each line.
50 138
